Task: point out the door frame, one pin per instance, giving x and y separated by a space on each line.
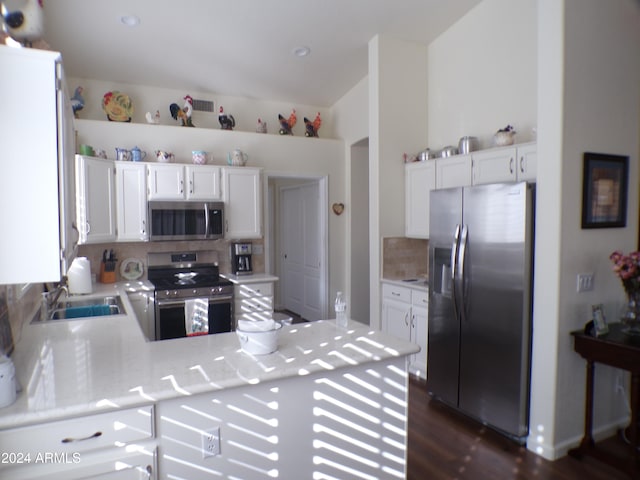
271 230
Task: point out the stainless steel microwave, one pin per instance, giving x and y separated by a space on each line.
186 220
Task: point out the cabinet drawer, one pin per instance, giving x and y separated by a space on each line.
80 434
396 293
419 298
259 304
254 290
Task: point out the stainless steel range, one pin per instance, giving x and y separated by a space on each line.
179 277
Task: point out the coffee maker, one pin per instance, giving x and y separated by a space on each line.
241 258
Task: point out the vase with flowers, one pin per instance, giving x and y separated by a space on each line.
627 268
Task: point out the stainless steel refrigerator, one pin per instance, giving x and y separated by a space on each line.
480 302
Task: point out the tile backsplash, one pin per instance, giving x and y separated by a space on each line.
141 249
404 258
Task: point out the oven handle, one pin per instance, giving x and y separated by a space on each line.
178 301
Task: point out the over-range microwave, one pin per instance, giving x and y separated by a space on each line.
186 220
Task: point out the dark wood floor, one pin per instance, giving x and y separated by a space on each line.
445 445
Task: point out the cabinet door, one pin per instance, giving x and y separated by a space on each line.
453 171
166 182
396 318
95 199
203 182
527 162
419 335
420 179
243 202
494 166
131 201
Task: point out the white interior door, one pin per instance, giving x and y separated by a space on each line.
300 250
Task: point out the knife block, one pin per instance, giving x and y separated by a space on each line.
106 276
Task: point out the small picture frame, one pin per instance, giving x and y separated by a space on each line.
600 326
604 190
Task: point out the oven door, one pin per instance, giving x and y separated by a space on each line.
170 316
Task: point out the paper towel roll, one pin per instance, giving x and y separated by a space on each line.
79 276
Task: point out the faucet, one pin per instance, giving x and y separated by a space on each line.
52 297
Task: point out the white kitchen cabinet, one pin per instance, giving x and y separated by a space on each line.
143 305
131 201
113 445
253 301
95 199
166 182
37 184
527 162
510 164
404 315
420 180
453 171
203 182
241 191
183 182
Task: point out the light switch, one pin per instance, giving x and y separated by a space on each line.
585 282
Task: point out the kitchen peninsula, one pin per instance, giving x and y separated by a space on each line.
330 400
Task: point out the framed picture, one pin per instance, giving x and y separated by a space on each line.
604 190
600 326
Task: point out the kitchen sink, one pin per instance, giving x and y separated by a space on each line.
77 308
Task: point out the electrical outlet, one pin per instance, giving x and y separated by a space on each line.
585 282
211 442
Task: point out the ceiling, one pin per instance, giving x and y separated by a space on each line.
238 47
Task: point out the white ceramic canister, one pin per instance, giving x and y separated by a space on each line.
7 381
79 276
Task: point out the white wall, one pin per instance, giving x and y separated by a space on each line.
482 74
599 111
244 110
397 124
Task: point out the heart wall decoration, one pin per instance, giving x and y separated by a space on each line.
338 208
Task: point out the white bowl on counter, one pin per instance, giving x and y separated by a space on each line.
259 337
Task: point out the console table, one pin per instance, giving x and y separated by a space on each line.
619 350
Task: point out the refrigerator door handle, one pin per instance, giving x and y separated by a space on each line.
454 268
461 277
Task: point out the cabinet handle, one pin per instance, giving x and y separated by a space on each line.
190 186
511 165
406 319
395 294
149 470
522 164
144 227
413 321
82 439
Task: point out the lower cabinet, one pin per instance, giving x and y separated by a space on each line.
253 301
404 315
114 445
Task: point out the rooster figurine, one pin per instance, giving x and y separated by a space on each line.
183 114
77 101
153 119
287 124
311 128
27 24
261 127
227 122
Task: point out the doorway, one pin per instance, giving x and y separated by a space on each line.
359 228
296 240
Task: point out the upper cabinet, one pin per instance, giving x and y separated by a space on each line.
243 202
517 163
508 164
453 171
420 179
180 182
95 199
131 201
37 156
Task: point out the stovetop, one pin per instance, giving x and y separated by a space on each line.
196 282
185 270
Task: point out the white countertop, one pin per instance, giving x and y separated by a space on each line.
253 278
77 367
420 284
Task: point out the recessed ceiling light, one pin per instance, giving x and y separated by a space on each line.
301 51
130 20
